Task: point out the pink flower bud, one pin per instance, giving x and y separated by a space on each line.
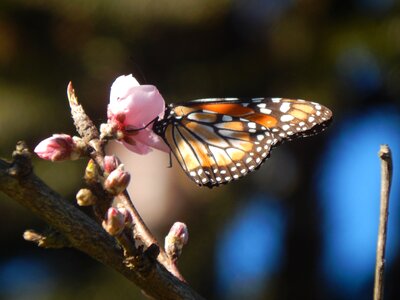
58 147
114 222
177 237
111 162
117 181
134 106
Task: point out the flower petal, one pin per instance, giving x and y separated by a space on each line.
146 105
149 138
141 106
121 86
138 148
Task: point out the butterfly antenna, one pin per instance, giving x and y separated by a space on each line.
138 70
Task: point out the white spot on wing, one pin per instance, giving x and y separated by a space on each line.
286 118
285 127
266 111
285 107
226 118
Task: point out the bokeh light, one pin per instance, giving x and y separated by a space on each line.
250 250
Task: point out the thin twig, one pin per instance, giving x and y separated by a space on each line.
143 233
386 180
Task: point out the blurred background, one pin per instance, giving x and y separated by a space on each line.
302 227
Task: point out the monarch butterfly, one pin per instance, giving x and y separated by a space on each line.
219 140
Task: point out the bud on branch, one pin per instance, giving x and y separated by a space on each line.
60 147
177 237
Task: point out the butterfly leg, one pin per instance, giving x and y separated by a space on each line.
170 160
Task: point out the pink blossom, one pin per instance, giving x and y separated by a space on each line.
133 106
57 147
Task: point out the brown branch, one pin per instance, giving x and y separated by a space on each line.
386 180
21 184
142 232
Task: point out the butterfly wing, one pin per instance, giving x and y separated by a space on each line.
220 140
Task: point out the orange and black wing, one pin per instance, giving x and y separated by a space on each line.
220 140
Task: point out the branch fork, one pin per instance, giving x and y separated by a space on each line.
147 265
